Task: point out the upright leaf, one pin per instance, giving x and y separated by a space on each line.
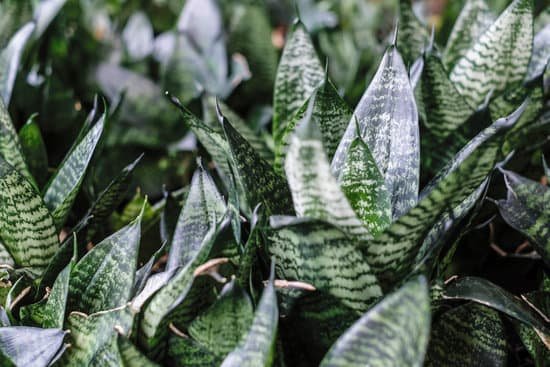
330 112
500 57
322 255
257 347
29 346
10 58
472 22
63 187
261 183
10 146
393 333
34 150
104 277
204 205
131 356
541 53
221 327
527 209
26 227
315 191
413 35
185 352
364 186
298 74
388 120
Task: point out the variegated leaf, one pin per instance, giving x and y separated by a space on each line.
388 120
298 74
330 112
393 333
10 58
472 22
10 146
258 345
412 35
33 150
529 337
499 58
322 255
222 326
185 352
131 356
467 336
26 227
527 209
61 191
29 346
315 191
103 279
203 206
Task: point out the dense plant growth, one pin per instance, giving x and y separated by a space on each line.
269 222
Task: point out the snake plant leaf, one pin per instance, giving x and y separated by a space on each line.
29 346
10 146
10 58
541 53
546 168
261 183
50 312
391 253
500 56
331 114
155 314
315 191
322 255
131 356
107 355
44 14
486 293
445 108
110 198
203 206
34 150
258 345
26 227
468 335
91 334
299 73
388 120
222 326
211 119
532 342
412 36
473 20
103 279
185 352
6 260
61 191
364 186
526 209
393 333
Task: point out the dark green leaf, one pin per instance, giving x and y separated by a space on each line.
131 356
34 150
412 35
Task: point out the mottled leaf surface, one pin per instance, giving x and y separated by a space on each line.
500 56
466 336
388 120
393 333
257 347
131 356
315 191
185 352
473 20
26 227
298 74
322 255
34 150
412 35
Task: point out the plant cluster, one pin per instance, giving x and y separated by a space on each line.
411 230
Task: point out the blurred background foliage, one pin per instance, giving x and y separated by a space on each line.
132 51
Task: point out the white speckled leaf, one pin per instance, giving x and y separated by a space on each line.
388 120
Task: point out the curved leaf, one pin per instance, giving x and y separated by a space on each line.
473 20
467 336
315 191
388 120
541 53
26 227
131 356
499 58
184 352
298 74
257 347
29 346
319 254
34 150
63 187
393 333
